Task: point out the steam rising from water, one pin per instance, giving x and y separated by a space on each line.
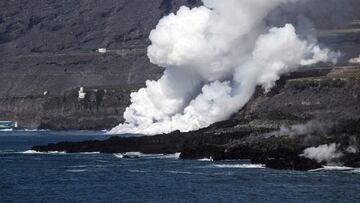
355 60
215 56
323 153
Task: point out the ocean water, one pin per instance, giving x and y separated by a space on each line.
26 176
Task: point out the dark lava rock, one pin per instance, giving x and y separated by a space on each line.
272 129
160 144
351 160
293 163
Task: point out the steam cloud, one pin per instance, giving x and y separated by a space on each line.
313 126
323 153
355 60
215 55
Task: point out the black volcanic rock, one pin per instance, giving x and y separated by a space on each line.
291 163
351 160
160 144
272 129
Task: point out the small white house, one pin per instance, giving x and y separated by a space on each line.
82 94
355 60
102 50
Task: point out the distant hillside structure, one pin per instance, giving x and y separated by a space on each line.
102 50
82 94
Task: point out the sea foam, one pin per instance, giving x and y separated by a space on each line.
238 166
148 156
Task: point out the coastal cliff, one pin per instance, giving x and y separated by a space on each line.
303 112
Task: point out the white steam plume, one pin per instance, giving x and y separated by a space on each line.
215 56
323 153
355 60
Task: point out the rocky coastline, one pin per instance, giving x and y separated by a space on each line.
278 129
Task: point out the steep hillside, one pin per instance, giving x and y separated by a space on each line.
50 46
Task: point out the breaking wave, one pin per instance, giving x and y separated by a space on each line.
149 156
36 152
333 168
250 166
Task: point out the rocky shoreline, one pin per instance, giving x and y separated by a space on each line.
302 124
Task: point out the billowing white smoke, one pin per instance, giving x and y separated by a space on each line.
323 153
215 56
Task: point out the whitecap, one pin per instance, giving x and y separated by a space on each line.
37 152
76 170
332 168
120 156
31 152
89 153
338 168
252 166
171 156
149 156
78 166
180 172
357 171
35 130
206 159
6 130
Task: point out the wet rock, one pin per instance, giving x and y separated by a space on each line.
291 163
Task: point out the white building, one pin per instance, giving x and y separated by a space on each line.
102 50
82 94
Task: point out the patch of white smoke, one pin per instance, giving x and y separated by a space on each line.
215 55
323 153
355 60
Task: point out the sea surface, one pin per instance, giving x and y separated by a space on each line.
27 176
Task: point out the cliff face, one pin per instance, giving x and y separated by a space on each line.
100 109
50 46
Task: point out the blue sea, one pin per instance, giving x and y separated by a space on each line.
27 176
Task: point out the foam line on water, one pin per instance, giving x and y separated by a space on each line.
333 168
76 170
205 159
6 130
37 152
148 156
255 166
357 171
89 153
179 172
